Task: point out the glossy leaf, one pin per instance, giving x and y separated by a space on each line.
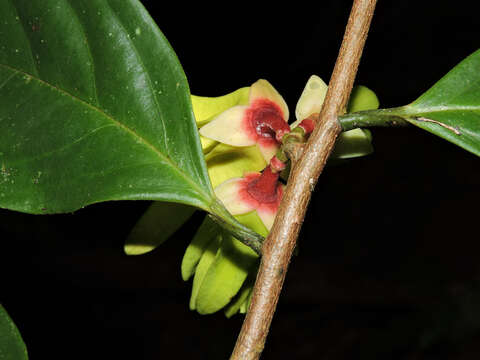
12 346
451 108
94 106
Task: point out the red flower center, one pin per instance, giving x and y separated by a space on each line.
266 118
264 187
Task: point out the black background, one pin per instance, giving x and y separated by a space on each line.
388 262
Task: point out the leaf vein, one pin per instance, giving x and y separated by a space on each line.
7 80
150 84
87 44
122 126
35 68
42 155
442 108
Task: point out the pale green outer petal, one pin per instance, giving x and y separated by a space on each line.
228 128
237 302
204 264
225 162
228 193
268 151
267 218
230 269
252 221
262 89
351 144
356 142
207 144
362 98
311 100
206 233
244 307
156 225
225 275
246 304
205 107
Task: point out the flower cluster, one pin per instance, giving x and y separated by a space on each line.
260 124
241 134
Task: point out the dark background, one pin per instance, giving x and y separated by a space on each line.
388 262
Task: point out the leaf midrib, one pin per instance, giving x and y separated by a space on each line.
441 108
128 130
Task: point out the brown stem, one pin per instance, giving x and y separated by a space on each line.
279 245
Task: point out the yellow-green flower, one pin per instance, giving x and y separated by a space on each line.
224 162
261 122
223 268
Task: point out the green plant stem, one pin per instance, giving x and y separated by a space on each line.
293 145
222 217
394 117
281 241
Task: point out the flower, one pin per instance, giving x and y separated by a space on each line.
206 108
349 144
255 191
262 122
223 162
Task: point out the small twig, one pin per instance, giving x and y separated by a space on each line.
278 246
244 234
371 118
451 128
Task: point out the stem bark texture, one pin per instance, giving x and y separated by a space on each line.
278 247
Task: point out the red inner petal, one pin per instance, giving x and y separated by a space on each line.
264 188
307 125
266 117
272 207
244 194
267 143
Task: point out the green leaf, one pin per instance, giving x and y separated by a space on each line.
12 346
451 108
162 219
94 106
